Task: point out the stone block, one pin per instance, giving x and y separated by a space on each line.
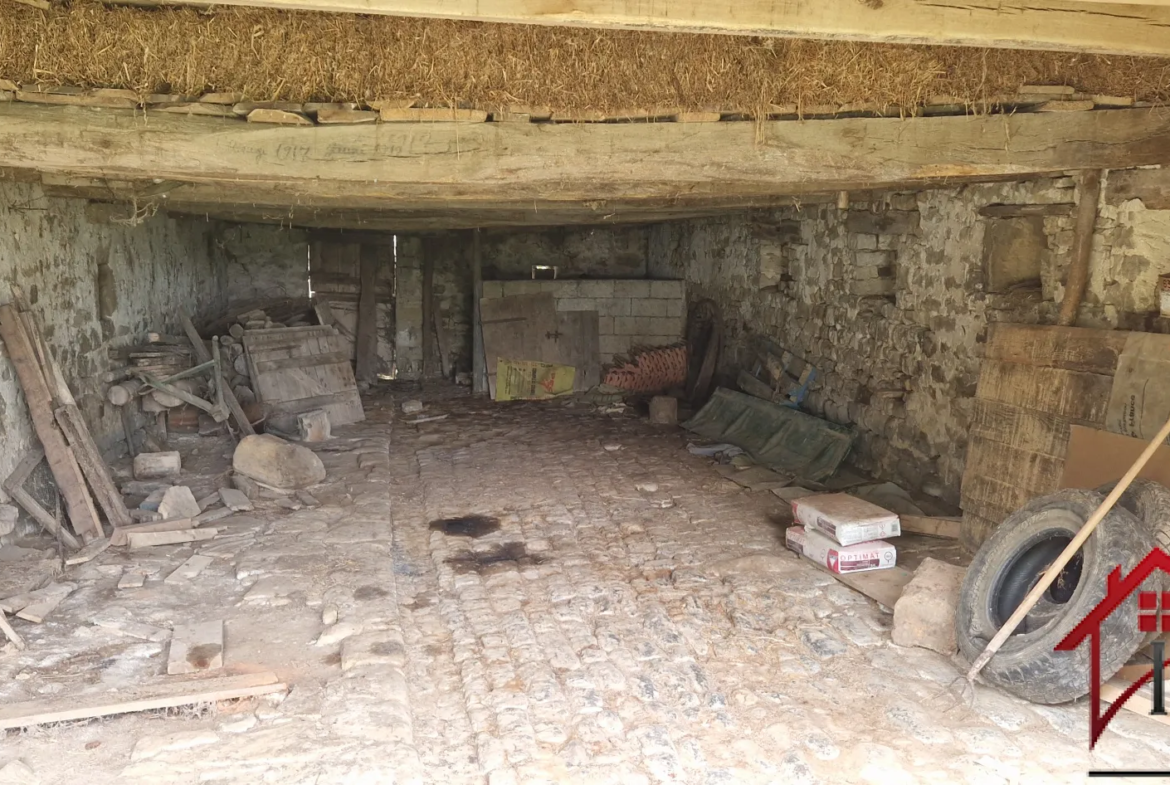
891 222
617 306
874 258
156 465
876 287
865 242
676 309
235 500
649 307
314 426
605 325
273 461
598 289
667 289
493 290
513 288
664 410
631 289
178 502
925 613
625 325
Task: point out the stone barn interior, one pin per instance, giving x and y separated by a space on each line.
450 409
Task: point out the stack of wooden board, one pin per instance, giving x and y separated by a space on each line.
1035 383
299 369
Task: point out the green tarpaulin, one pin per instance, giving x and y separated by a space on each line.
779 437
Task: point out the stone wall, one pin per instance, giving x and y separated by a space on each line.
263 262
576 252
630 313
96 281
890 301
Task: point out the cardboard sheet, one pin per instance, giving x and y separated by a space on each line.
1140 400
1097 457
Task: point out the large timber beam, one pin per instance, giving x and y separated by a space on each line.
533 167
1105 26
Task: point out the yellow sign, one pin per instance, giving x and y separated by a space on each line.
524 380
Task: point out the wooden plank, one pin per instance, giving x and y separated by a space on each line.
189 569
202 355
367 326
62 462
196 647
991 498
1073 394
416 115
882 586
93 466
479 383
579 345
88 553
151 539
1033 471
428 309
1105 26
1150 186
1026 429
1141 702
406 167
1069 348
10 633
147 697
521 327
14 486
44 601
975 530
313 360
930 525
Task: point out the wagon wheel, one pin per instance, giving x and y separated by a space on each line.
704 336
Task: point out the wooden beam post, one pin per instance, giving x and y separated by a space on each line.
1082 250
479 379
204 356
428 308
367 322
62 462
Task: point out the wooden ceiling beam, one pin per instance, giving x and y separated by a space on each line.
1103 26
540 165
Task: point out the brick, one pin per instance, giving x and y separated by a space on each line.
625 325
667 289
618 306
493 290
665 326
605 325
560 289
649 307
513 288
643 325
598 289
676 308
576 304
610 345
631 289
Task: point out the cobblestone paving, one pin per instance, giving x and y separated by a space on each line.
633 619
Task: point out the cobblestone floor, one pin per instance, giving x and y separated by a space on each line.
634 619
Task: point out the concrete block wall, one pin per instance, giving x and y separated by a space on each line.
631 313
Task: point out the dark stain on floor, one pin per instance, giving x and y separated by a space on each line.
509 555
466 525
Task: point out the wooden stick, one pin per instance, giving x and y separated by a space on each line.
14 485
1065 557
10 633
145 697
202 355
93 466
1082 251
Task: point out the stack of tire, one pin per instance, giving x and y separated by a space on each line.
1011 562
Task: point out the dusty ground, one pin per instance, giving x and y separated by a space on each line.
601 634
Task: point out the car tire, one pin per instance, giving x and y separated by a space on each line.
1010 563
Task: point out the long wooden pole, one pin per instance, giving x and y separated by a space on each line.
1082 250
478 364
1066 555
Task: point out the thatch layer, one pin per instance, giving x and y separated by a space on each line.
344 57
